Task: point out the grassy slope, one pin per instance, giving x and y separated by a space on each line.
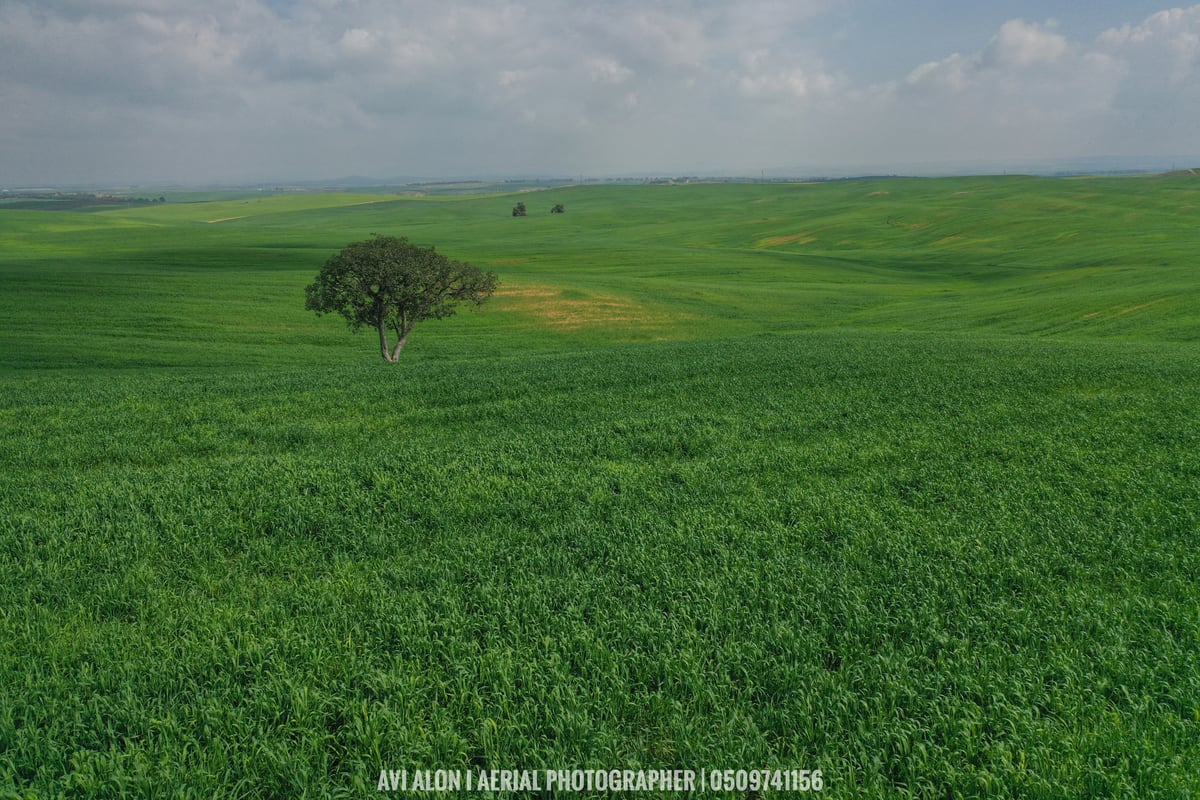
139 287
237 555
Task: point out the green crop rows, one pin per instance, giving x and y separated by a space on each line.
898 480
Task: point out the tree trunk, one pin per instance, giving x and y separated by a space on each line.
399 345
383 344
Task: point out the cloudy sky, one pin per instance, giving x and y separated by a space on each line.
249 90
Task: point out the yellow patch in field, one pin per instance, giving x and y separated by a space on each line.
1131 309
778 241
950 240
568 311
226 219
1110 313
876 194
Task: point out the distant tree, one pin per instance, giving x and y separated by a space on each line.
519 210
388 283
559 209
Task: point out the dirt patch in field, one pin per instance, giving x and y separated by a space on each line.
1110 313
778 241
568 310
226 219
876 194
1131 309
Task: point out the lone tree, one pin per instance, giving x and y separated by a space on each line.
519 210
390 283
559 209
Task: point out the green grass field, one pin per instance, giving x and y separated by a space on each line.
898 480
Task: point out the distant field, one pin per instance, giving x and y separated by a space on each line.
895 479
1085 257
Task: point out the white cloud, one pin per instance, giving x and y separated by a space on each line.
110 88
359 41
1022 44
1165 45
1033 92
777 75
451 78
951 74
1017 46
608 70
795 83
1168 25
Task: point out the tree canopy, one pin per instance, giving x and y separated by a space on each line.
390 284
